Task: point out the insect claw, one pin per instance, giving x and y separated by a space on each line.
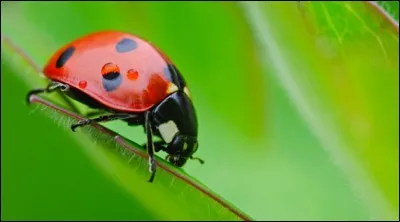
152 177
73 127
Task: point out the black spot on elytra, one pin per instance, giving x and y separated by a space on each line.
126 45
64 57
173 75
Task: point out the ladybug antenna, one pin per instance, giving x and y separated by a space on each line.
196 158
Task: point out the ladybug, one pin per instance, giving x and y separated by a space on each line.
132 80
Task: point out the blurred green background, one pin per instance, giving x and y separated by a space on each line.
297 106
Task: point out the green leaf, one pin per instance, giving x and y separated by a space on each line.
125 162
338 62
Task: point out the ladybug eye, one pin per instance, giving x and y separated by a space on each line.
110 71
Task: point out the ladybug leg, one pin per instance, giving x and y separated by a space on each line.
150 147
93 113
53 86
50 88
104 118
158 145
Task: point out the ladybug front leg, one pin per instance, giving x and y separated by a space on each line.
150 146
158 145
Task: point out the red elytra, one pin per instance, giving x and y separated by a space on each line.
119 70
124 74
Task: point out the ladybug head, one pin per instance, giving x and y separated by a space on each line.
181 148
176 122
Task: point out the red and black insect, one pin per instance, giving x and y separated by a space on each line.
132 80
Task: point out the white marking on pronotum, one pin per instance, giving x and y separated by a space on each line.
168 130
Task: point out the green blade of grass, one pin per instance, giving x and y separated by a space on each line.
339 65
169 197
